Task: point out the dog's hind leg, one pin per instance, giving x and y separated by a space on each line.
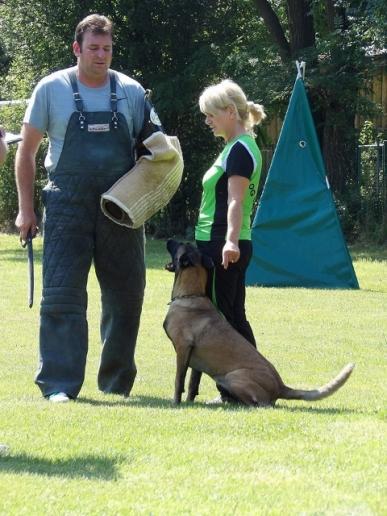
193 388
246 390
183 355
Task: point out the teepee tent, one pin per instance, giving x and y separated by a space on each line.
296 233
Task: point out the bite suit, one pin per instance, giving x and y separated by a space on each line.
97 150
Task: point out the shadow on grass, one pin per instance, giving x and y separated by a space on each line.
320 410
370 252
88 466
157 403
167 404
19 255
119 401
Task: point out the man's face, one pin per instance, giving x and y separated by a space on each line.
95 55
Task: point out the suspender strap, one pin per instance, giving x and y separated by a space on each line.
113 94
78 100
113 98
76 95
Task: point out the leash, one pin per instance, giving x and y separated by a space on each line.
186 296
30 253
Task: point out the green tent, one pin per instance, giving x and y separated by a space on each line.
296 233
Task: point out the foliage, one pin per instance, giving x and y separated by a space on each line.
176 49
372 179
150 46
11 118
339 56
177 64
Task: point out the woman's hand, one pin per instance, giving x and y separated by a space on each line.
230 253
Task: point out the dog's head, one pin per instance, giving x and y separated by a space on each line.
186 255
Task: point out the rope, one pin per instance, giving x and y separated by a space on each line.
300 69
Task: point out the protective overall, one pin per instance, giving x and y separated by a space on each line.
97 150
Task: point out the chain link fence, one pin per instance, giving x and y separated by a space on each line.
372 183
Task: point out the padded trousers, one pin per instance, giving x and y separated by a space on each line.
76 234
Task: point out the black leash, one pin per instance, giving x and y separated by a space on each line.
30 253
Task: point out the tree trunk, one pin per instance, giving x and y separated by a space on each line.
334 121
330 14
339 149
274 27
301 25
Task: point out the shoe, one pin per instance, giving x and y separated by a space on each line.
4 449
59 397
223 398
216 401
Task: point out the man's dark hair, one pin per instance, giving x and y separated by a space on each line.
94 23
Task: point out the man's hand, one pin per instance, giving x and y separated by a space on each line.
25 222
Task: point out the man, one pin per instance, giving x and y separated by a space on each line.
3 146
93 117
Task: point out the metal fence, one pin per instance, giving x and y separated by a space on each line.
372 182
369 200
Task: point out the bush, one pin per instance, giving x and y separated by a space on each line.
11 119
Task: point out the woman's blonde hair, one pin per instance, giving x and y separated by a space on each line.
227 93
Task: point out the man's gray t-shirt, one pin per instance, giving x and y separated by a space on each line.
52 104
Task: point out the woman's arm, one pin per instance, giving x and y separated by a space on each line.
237 186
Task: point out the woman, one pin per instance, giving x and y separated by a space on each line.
229 190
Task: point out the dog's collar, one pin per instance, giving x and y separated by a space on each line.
186 296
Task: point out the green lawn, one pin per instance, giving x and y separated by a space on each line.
103 455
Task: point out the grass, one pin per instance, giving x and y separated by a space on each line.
107 456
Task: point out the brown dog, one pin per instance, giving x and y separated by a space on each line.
207 343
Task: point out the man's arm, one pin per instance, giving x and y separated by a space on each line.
3 147
25 177
151 124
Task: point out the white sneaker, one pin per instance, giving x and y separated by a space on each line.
4 449
59 397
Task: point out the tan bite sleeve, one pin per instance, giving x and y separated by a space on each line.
148 186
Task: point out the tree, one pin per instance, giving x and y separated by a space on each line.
332 37
178 48
174 49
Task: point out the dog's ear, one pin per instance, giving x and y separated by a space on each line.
207 262
172 246
170 267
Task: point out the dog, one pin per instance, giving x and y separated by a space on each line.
206 342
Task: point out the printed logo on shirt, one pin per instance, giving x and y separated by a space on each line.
98 128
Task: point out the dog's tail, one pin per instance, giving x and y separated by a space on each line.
323 392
